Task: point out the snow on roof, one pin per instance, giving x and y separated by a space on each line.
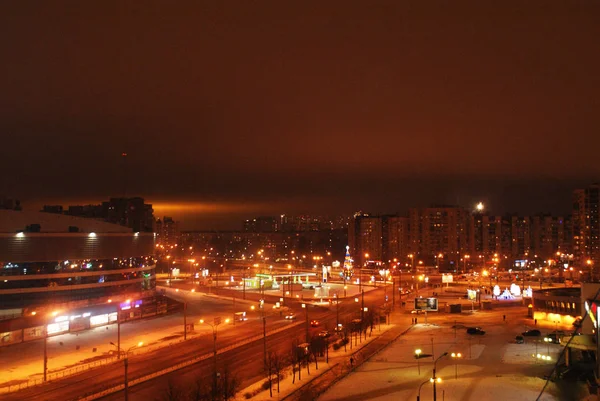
12 221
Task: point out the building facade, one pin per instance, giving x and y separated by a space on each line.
47 259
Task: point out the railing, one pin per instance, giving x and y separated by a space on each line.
115 388
112 359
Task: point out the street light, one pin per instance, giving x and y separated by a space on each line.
431 380
456 356
126 365
306 309
417 357
214 326
434 378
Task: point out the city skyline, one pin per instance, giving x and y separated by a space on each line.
226 215
314 110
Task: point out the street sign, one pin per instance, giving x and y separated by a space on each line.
426 304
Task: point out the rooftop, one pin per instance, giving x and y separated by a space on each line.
12 221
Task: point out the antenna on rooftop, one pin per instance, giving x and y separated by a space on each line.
124 172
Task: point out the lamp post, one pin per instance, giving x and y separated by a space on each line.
192 261
306 309
126 366
465 263
362 308
434 378
417 357
214 326
456 356
431 380
45 352
412 263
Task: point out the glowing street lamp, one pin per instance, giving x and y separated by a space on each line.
456 356
417 357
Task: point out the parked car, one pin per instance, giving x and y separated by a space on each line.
532 333
314 323
339 329
324 334
519 339
554 337
475 331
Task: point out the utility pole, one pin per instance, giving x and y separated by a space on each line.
118 332
45 352
264 319
185 320
126 363
434 378
362 309
244 281
305 306
393 292
337 312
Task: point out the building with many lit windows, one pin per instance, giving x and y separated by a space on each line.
49 259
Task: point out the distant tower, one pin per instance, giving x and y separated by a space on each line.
348 269
124 173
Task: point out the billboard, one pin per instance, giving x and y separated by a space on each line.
426 304
447 278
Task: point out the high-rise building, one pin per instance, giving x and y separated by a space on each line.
167 231
395 239
365 238
586 225
438 230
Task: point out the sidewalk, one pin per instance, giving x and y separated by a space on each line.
338 367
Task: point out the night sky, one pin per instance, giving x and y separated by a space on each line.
234 109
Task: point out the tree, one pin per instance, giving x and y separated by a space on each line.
226 387
294 359
277 363
172 393
229 384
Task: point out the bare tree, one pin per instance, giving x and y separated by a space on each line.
277 364
229 385
172 393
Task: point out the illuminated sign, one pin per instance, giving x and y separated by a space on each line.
426 304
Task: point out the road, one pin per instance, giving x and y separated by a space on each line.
25 360
139 365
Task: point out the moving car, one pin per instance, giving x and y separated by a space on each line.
324 334
475 331
314 323
290 316
532 333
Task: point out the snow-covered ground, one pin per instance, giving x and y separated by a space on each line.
491 367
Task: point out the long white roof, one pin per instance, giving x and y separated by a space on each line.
12 221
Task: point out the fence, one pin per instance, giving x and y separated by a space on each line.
115 388
112 359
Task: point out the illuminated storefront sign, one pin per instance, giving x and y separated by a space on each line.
56 328
99 320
